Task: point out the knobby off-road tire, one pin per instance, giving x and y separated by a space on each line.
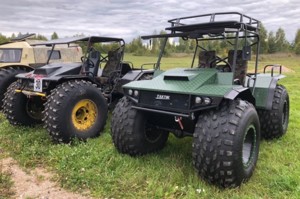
7 76
21 110
226 143
132 134
75 108
274 122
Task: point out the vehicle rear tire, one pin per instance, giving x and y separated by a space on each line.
226 143
21 110
7 76
274 122
75 108
132 134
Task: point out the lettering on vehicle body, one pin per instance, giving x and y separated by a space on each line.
162 97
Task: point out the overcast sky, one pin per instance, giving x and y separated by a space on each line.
130 18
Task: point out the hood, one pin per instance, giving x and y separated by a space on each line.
187 81
53 70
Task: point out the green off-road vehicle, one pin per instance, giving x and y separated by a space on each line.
20 55
216 101
72 98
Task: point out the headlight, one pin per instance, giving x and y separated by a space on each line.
136 93
46 83
198 100
207 100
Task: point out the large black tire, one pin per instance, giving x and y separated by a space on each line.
226 143
21 110
7 76
75 108
274 122
132 134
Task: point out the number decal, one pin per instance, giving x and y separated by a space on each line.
38 85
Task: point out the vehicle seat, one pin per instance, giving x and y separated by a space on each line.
206 58
113 63
125 69
241 66
91 65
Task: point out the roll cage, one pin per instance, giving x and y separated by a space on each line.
89 43
215 26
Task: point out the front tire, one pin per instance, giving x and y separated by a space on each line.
274 122
7 77
21 110
131 132
75 108
226 143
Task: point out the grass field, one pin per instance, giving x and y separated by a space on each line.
97 166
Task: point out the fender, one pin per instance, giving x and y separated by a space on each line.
265 86
271 91
242 93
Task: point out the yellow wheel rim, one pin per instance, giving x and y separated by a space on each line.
84 114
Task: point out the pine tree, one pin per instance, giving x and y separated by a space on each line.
297 48
54 35
282 44
297 43
3 39
155 44
40 37
272 43
297 38
263 40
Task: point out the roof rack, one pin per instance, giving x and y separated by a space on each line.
213 23
237 20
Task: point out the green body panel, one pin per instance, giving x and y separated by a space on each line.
157 72
261 96
199 81
264 89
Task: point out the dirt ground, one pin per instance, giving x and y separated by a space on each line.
36 184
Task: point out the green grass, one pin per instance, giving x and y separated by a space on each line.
96 165
184 60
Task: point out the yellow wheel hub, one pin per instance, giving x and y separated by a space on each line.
84 114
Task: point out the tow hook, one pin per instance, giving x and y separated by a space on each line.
179 120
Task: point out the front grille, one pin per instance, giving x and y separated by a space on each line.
27 85
161 100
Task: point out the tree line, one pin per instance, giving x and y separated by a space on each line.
270 42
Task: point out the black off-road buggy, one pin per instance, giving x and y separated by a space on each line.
72 98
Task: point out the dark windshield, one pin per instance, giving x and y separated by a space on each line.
10 55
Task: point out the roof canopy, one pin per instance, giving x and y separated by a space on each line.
94 39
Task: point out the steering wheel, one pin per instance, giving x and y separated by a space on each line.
90 63
218 60
82 59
